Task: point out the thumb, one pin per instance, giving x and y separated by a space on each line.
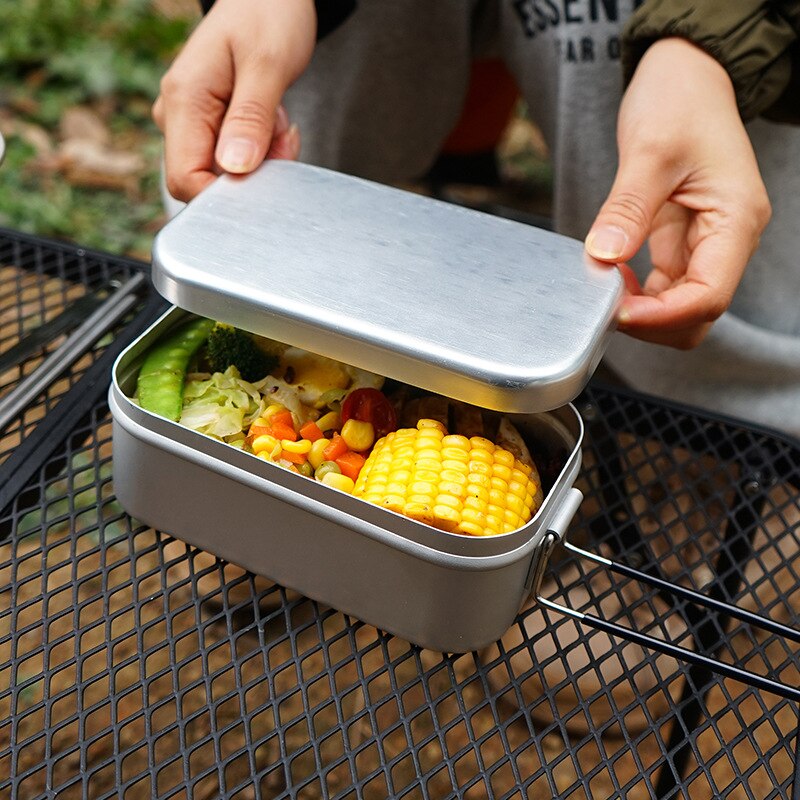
626 218
249 122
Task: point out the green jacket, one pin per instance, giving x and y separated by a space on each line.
757 41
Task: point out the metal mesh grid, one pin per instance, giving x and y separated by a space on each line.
134 666
36 283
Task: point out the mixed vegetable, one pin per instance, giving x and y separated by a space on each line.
344 427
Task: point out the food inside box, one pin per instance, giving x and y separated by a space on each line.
456 467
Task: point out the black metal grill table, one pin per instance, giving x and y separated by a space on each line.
134 666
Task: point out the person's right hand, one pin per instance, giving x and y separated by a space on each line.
219 106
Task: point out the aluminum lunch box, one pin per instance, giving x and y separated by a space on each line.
481 309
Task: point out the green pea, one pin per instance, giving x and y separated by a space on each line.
324 468
306 469
163 373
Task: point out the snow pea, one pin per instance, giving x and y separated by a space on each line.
163 373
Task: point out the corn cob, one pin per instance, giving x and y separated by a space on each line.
453 483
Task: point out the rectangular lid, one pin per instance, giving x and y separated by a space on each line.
481 309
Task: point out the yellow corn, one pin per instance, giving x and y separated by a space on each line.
456 484
338 481
358 435
300 446
268 445
316 455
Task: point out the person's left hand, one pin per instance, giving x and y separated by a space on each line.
688 181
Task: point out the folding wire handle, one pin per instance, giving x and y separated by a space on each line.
651 642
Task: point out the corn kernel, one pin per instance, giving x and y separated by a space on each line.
358 435
268 444
452 475
316 455
504 458
300 446
396 488
493 524
519 476
515 504
394 502
482 457
481 443
455 454
423 487
501 471
517 488
479 492
497 498
338 481
452 488
480 468
469 528
449 501
457 466
445 517
422 512
476 479
456 441
499 485
431 424
476 517
475 503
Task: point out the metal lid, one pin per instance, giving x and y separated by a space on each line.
481 309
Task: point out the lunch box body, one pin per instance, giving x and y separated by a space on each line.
444 591
480 309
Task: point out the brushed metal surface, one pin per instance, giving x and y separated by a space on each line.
482 309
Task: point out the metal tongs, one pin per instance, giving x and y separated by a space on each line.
659 645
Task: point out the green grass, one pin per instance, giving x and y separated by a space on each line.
108 55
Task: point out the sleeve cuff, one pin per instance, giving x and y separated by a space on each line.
749 38
330 14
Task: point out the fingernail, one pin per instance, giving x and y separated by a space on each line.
281 119
238 155
624 316
293 136
607 242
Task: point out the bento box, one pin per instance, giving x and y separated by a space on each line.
268 254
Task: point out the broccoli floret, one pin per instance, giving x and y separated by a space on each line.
228 346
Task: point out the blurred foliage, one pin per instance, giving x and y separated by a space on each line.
108 55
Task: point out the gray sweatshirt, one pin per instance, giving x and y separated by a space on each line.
385 89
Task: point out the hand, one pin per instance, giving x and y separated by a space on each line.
219 102
687 180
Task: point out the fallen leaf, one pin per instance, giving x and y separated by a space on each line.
80 122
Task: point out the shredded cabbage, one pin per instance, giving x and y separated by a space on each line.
220 405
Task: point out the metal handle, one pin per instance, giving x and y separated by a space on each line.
667 648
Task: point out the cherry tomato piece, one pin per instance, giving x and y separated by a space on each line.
370 405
